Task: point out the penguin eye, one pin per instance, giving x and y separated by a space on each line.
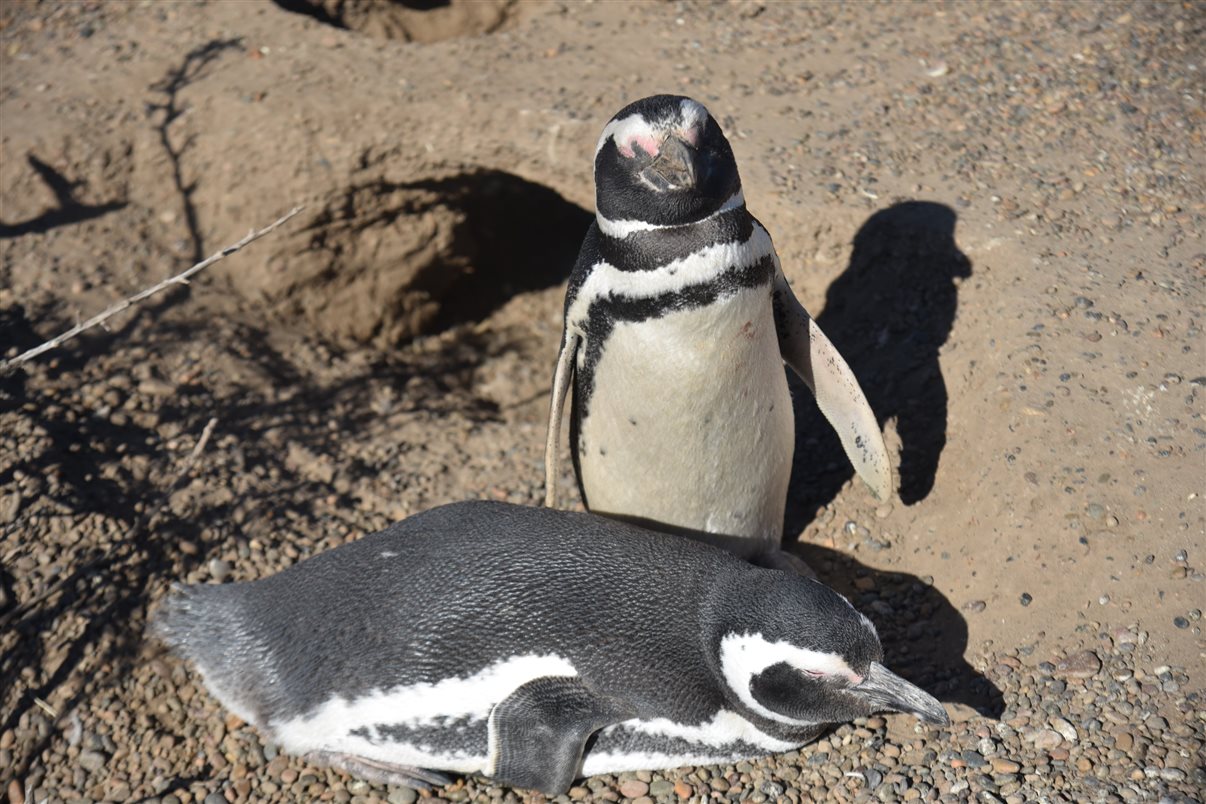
814 673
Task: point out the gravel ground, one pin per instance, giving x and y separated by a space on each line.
994 210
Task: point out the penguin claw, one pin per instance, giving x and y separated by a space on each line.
376 771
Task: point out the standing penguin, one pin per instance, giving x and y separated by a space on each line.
677 322
489 638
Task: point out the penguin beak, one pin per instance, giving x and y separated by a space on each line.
885 690
673 168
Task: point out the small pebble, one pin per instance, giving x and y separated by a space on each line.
660 788
92 761
402 795
633 788
1002 765
1084 664
1065 729
219 570
1046 739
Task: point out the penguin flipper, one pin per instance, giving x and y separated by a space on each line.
538 733
785 562
382 772
815 359
561 383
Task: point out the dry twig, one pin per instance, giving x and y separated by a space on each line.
9 366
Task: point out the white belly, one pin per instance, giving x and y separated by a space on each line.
400 725
690 423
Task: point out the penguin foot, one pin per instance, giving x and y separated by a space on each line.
376 771
783 560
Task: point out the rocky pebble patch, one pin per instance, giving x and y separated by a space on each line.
1101 724
1067 131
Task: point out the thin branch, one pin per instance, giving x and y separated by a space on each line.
47 708
9 366
201 442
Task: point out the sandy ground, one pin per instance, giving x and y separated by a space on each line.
995 212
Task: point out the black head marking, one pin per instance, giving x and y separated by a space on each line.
808 698
813 660
810 615
663 160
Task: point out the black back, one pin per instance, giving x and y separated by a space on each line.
470 584
443 594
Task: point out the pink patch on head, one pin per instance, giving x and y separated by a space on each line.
646 143
691 135
856 679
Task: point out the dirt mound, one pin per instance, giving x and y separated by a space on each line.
384 262
409 20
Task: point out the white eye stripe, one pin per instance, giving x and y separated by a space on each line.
625 131
743 656
633 128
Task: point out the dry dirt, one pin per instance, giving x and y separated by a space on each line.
994 212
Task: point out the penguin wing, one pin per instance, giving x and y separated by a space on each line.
812 356
538 733
561 383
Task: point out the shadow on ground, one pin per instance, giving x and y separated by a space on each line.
385 262
171 108
923 634
69 210
108 489
888 314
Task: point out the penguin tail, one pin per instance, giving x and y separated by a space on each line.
204 625
178 620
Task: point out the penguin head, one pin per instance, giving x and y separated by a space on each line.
663 161
803 656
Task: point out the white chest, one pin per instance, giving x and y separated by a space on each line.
690 421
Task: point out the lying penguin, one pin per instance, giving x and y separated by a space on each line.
678 320
532 646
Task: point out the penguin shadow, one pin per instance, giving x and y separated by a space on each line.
888 314
923 635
